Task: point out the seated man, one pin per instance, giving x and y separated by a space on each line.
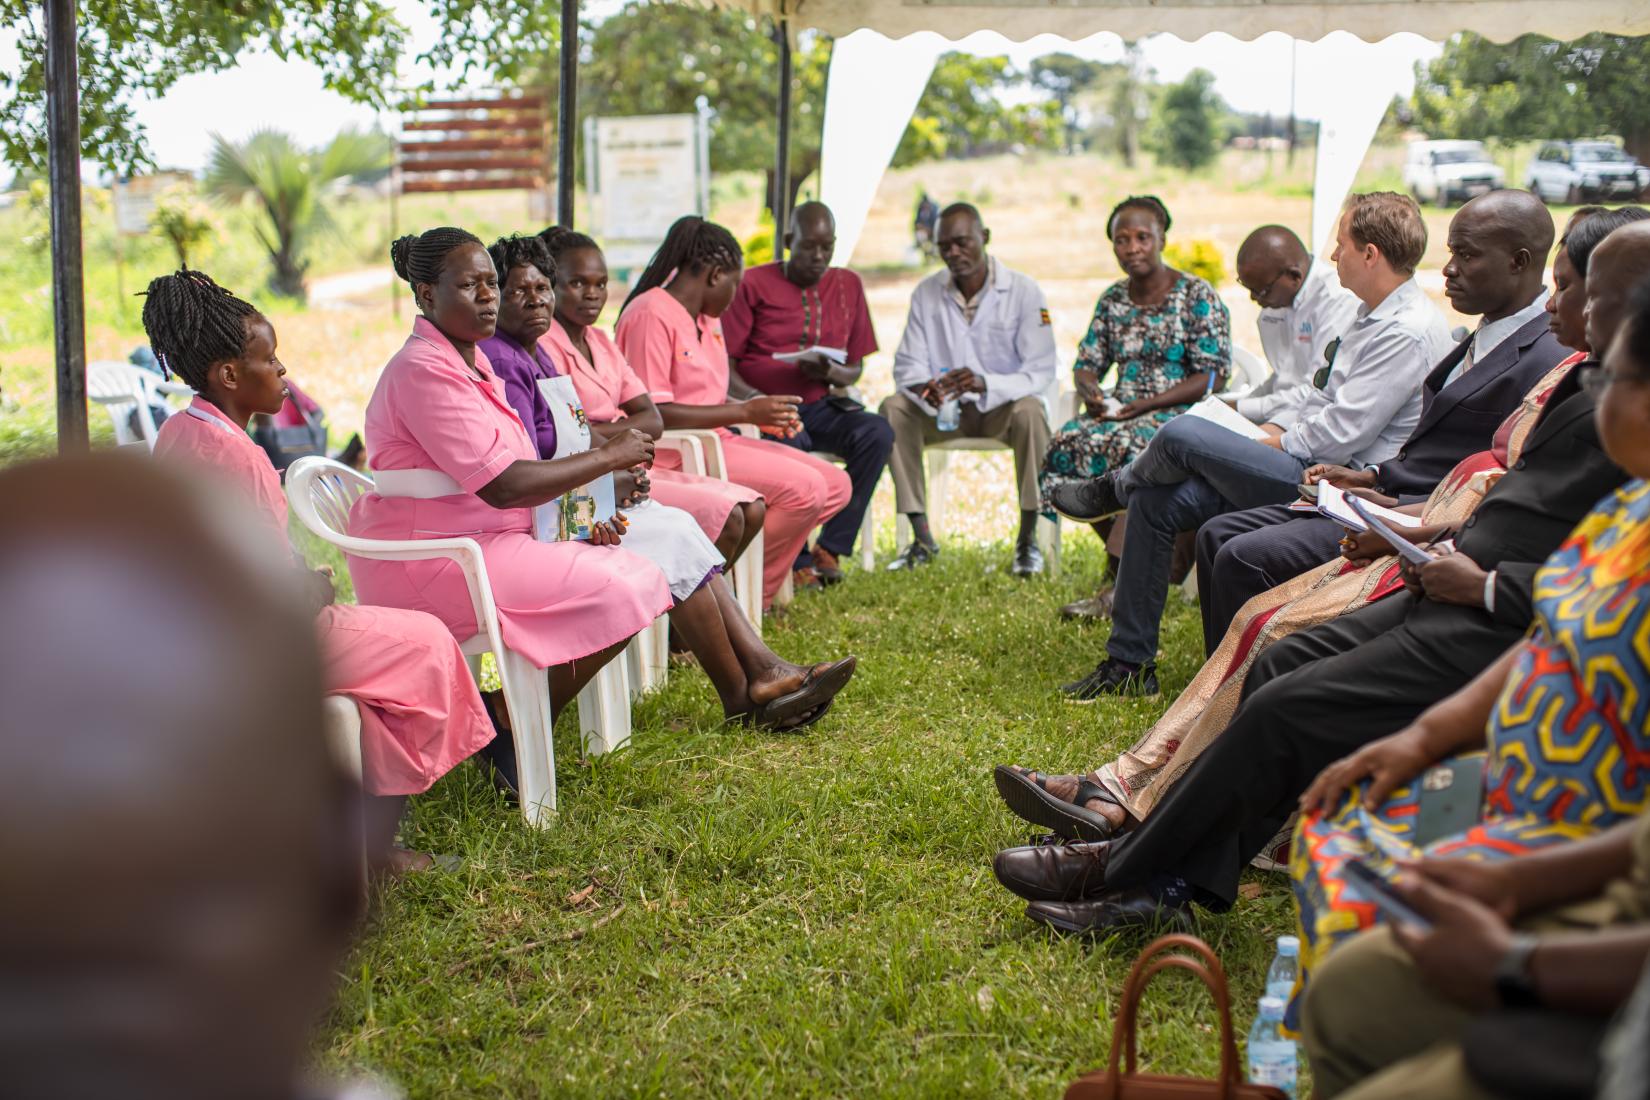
1325 692
1194 469
800 303
181 851
1303 309
977 332
1243 553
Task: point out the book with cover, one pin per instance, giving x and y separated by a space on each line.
1335 504
1216 411
839 356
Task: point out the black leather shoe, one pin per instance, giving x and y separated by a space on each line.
1087 501
1054 872
1134 907
918 553
1112 677
1028 560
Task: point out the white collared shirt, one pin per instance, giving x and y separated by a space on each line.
1372 399
1492 334
1294 337
1009 340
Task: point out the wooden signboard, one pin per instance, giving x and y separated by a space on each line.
486 143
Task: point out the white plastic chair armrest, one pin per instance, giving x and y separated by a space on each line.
712 445
749 431
690 448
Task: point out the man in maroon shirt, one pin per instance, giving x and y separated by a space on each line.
789 307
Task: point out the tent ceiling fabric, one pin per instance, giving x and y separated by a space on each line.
1192 19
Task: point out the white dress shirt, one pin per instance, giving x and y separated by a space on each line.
1372 399
1009 341
1492 334
1294 337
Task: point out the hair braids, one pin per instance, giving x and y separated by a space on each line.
1151 204
560 241
692 245
419 258
192 323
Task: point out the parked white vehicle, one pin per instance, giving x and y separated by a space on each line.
1443 172
1583 171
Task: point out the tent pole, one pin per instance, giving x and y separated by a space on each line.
782 156
567 111
63 171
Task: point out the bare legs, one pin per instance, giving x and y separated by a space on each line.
566 681
744 671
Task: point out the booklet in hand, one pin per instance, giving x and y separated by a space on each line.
839 356
1336 504
1406 549
1213 409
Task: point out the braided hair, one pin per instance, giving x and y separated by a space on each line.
1151 204
419 258
692 245
513 252
193 323
560 241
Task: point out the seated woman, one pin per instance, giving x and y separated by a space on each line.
749 678
1166 331
670 332
420 711
730 514
1130 787
1564 717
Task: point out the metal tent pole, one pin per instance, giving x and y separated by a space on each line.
567 111
63 172
782 156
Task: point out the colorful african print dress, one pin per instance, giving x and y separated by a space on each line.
1568 744
1154 348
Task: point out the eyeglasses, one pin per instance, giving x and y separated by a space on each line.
1320 378
1259 296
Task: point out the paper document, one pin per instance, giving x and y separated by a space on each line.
839 356
1335 504
1406 549
1213 409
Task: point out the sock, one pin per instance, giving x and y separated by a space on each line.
919 528
1171 891
1028 528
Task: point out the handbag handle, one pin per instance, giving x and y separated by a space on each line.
1147 966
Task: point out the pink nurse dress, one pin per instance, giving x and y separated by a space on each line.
420 713
557 601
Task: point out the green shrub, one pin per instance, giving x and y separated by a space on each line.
1197 257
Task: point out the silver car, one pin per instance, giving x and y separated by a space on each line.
1583 171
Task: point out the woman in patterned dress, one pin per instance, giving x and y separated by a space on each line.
1167 332
1563 719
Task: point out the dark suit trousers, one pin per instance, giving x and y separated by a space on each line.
1242 554
864 440
1311 699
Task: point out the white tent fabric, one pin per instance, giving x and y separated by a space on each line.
1191 19
1350 111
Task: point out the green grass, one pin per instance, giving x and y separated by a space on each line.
801 916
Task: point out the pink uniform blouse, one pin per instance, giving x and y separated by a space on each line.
681 360
605 383
204 436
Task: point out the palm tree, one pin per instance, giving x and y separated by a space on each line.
288 183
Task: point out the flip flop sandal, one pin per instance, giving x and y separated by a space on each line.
817 689
808 719
1026 793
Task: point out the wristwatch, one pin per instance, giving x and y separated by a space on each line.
1514 985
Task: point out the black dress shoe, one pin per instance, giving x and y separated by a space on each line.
1087 501
1112 677
1054 872
918 553
1134 907
1028 560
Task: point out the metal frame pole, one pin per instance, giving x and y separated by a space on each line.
567 111
63 171
782 156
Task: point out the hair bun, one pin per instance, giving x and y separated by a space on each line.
400 254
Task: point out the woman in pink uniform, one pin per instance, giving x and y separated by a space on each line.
420 712
730 514
672 337
452 457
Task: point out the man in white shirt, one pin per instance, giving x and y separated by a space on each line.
978 332
1357 409
1304 308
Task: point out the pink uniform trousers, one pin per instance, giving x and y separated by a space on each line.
801 491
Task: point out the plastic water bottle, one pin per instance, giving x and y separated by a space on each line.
1271 1055
950 414
1285 968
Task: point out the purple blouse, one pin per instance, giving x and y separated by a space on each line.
520 369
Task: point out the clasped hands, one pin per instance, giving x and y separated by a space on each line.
774 414
953 383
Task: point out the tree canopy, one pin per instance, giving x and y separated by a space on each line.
1186 131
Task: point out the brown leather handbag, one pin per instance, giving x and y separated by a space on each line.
1109 1084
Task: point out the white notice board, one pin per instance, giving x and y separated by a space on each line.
643 172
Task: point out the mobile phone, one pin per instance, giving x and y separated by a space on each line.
1378 891
1308 492
1450 800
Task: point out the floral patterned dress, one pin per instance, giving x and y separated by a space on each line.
1154 348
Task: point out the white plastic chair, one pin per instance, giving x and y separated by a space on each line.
123 389
647 657
321 492
700 450
1248 371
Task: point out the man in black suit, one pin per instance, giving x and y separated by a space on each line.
1320 694
1498 248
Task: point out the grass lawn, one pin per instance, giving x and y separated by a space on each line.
725 913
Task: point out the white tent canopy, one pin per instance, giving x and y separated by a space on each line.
885 52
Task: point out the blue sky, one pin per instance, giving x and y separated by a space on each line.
263 91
